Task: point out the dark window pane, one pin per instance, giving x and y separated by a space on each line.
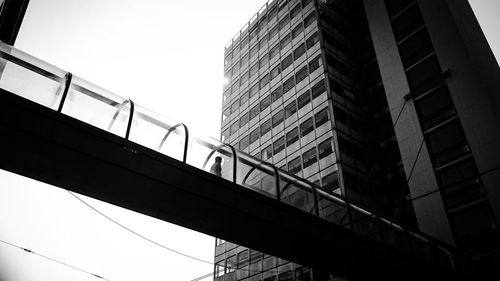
278 145
254 70
407 22
415 48
290 109
267 153
285 40
254 111
301 74
310 19
254 89
306 127
299 51
425 75
294 167
312 40
303 274
435 107
244 119
325 148
234 127
284 22
330 182
276 94
288 85
265 103
234 106
244 98
273 12
265 127
244 142
254 135
286 62
321 117
273 31
292 136
244 78
296 31
264 81
254 51
318 89
304 99
447 143
275 72
309 157
285 276
396 6
278 118
263 61
255 256
295 11
274 51
315 63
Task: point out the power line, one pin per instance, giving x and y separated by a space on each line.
158 244
54 260
203 276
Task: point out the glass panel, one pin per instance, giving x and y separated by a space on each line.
365 223
173 142
424 75
202 154
256 175
148 128
297 193
332 209
96 106
416 47
407 22
435 107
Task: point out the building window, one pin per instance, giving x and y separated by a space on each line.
294 166
263 42
301 74
292 136
286 62
273 13
321 117
304 99
225 135
284 22
288 85
244 98
263 61
219 241
279 145
407 22
254 70
309 157
273 31
265 127
236 67
234 128
290 109
225 113
315 63
278 118
313 39
234 106
276 94
460 183
275 72
318 89
219 268
254 112
306 127
310 19
286 276
325 148
274 51
264 81
254 135
435 107
244 78
285 40
243 143
303 274
244 60
424 75
270 278
267 153
255 256
330 182
244 119
296 31
447 143
265 103
243 258
231 264
295 11
415 48
395 6
254 89
299 51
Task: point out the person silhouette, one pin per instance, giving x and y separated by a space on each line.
216 167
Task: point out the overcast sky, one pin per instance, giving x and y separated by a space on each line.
166 56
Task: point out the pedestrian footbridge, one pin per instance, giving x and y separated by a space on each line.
65 131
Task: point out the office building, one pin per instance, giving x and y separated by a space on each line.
392 104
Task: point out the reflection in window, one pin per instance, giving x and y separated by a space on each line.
290 109
278 145
321 117
309 157
306 127
294 165
292 136
231 264
219 269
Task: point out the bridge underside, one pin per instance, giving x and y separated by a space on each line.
53 148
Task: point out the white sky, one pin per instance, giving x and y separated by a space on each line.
166 56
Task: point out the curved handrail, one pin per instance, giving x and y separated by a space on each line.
234 158
68 77
186 139
276 176
130 116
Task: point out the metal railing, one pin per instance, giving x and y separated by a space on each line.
54 88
